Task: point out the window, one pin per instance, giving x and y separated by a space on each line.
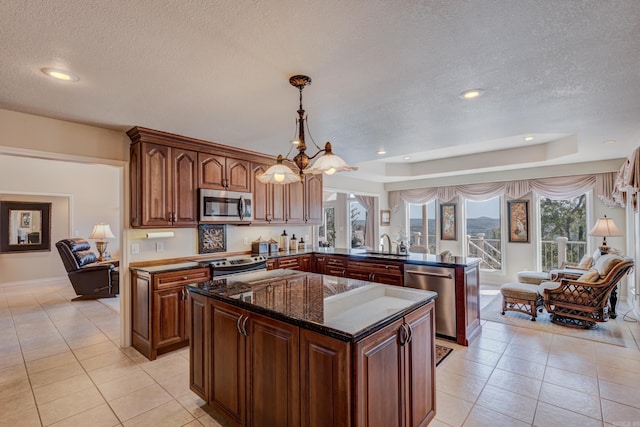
357 219
327 231
562 218
422 225
484 232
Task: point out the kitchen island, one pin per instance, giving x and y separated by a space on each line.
292 348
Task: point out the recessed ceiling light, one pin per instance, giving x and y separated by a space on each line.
528 138
610 141
382 151
407 157
59 74
471 93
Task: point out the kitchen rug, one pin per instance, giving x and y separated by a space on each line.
441 353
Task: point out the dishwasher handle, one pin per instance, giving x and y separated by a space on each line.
424 273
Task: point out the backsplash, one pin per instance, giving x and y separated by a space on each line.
185 240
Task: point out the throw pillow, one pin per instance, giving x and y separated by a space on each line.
590 276
585 262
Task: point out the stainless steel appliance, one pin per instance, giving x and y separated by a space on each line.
236 264
442 281
225 206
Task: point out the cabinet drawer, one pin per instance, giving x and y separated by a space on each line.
376 267
292 262
179 278
335 261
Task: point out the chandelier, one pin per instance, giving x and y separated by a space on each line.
327 163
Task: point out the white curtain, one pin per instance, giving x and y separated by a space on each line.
564 187
367 202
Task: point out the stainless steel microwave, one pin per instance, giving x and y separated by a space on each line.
225 206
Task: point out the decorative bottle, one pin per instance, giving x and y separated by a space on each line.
284 241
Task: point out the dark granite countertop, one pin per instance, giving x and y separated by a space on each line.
411 258
346 309
168 267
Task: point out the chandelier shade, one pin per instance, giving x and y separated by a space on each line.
327 163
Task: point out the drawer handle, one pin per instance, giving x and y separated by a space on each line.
422 273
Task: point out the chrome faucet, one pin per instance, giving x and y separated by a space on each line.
388 240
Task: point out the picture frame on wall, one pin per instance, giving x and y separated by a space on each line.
25 226
448 224
385 217
518 216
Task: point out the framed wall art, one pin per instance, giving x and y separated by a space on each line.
448 221
25 226
212 238
518 215
385 217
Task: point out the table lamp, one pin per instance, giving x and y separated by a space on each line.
604 228
101 231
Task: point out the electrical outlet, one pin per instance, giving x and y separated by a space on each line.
245 241
159 246
135 249
306 238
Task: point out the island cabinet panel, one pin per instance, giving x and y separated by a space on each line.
325 376
389 273
164 186
219 172
395 373
468 307
160 309
198 368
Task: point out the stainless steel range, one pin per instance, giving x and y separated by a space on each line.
235 264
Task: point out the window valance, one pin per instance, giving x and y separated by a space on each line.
556 188
628 179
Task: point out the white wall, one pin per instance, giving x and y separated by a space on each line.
82 195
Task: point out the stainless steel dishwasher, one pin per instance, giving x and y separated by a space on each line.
442 281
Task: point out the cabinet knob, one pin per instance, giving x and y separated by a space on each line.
185 277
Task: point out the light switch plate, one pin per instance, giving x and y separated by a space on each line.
159 246
135 249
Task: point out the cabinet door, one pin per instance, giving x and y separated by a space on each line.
325 380
168 317
227 390
199 337
135 186
295 203
185 187
313 199
278 203
272 366
378 378
420 367
156 187
320 264
211 171
237 175
306 263
260 195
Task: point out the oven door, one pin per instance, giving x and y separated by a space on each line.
225 206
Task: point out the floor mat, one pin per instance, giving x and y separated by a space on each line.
441 353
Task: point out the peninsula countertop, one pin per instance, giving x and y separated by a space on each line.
346 309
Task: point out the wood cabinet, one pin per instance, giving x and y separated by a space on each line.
159 309
296 262
254 366
313 200
256 370
268 199
333 265
219 172
395 373
163 186
388 272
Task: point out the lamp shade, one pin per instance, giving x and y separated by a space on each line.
329 163
279 174
605 227
101 231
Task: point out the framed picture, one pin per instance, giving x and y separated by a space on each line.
518 215
385 217
212 238
25 226
448 221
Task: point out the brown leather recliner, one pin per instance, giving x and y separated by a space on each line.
88 278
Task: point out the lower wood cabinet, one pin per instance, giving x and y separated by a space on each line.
159 309
259 371
388 272
333 265
296 262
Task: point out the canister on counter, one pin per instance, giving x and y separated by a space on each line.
273 247
260 246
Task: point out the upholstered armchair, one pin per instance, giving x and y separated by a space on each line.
89 279
583 301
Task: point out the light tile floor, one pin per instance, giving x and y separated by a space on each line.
60 365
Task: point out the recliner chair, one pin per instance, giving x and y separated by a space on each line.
89 279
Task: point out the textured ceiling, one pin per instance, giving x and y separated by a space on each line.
386 75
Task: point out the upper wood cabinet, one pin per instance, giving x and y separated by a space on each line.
268 199
163 186
313 200
224 173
